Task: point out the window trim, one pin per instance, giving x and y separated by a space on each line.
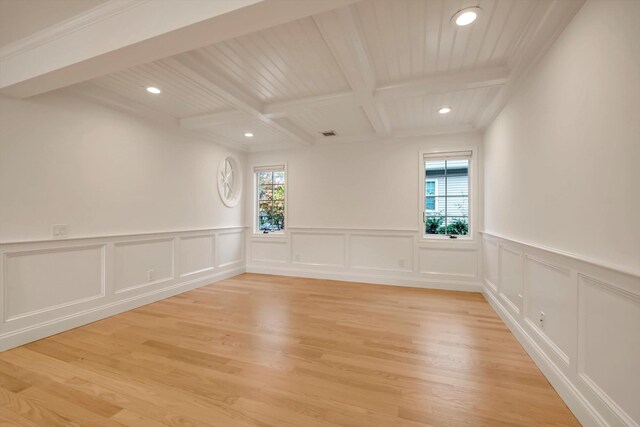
255 221
448 154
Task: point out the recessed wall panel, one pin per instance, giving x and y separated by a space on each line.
41 280
511 277
449 261
230 248
142 263
196 254
320 249
491 257
609 343
380 252
550 296
266 251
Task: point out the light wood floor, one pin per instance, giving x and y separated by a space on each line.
260 350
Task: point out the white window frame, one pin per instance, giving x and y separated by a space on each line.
457 153
256 204
435 181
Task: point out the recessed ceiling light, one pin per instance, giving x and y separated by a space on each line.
154 90
444 110
466 16
248 134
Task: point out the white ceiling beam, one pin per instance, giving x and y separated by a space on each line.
213 119
433 130
443 83
219 139
95 43
397 134
334 100
193 66
342 34
348 139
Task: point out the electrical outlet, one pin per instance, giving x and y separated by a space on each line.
401 263
541 319
60 230
297 257
151 275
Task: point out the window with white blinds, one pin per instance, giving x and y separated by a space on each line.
446 194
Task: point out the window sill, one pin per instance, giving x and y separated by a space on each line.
270 236
445 238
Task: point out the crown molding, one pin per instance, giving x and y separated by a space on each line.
68 26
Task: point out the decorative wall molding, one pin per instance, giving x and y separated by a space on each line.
95 277
7 296
385 256
68 26
587 345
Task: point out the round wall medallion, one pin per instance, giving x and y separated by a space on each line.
229 181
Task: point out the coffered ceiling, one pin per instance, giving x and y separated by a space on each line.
370 70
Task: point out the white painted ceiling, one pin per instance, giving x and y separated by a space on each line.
376 69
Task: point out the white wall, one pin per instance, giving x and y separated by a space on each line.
562 196
353 213
64 160
141 202
561 160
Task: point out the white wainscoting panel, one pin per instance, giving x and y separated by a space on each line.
383 256
318 249
588 344
549 290
197 254
50 286
230 248
461 262
381 252
511 274
269 251
609 345
134 261
36 281
491 264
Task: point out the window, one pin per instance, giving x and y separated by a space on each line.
446 194
271 190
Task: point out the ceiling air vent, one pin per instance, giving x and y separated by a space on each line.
329 133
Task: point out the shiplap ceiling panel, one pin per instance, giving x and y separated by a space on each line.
408 39
345 121
422 111
286 62
180 96
370 70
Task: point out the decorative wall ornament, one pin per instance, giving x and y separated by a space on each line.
229 181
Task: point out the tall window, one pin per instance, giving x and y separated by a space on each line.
271 188
446 194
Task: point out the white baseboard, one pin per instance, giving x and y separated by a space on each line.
347 276
45 329
578 404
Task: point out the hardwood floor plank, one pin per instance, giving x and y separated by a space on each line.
258 350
